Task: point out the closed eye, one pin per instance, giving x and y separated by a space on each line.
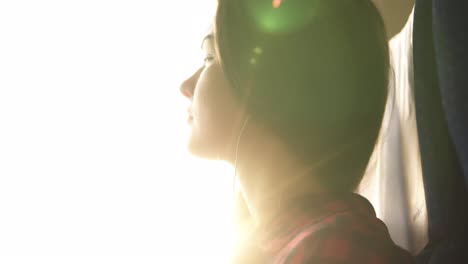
208 59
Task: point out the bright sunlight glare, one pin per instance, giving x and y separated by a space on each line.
93 165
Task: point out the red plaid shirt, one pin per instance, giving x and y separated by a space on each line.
329 229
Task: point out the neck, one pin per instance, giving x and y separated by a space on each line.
268 173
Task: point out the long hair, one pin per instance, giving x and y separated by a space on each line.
315 72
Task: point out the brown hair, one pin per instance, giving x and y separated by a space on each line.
315 72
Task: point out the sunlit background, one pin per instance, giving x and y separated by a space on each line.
93 165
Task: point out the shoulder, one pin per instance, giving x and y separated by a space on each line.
348 237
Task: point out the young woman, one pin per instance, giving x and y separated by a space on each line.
292 93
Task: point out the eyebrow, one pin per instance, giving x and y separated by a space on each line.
207 37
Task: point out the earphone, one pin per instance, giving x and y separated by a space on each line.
237 152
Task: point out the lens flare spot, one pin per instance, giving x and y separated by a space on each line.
258 50
276 3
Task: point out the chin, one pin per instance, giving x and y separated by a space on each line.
205 149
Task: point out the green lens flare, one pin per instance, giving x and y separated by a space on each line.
281 16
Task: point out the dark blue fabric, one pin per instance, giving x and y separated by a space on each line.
451 45
446 193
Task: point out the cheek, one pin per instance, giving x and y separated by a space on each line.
214 98
215 108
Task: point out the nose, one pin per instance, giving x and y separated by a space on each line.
187 87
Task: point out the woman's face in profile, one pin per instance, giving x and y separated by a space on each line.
213 108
